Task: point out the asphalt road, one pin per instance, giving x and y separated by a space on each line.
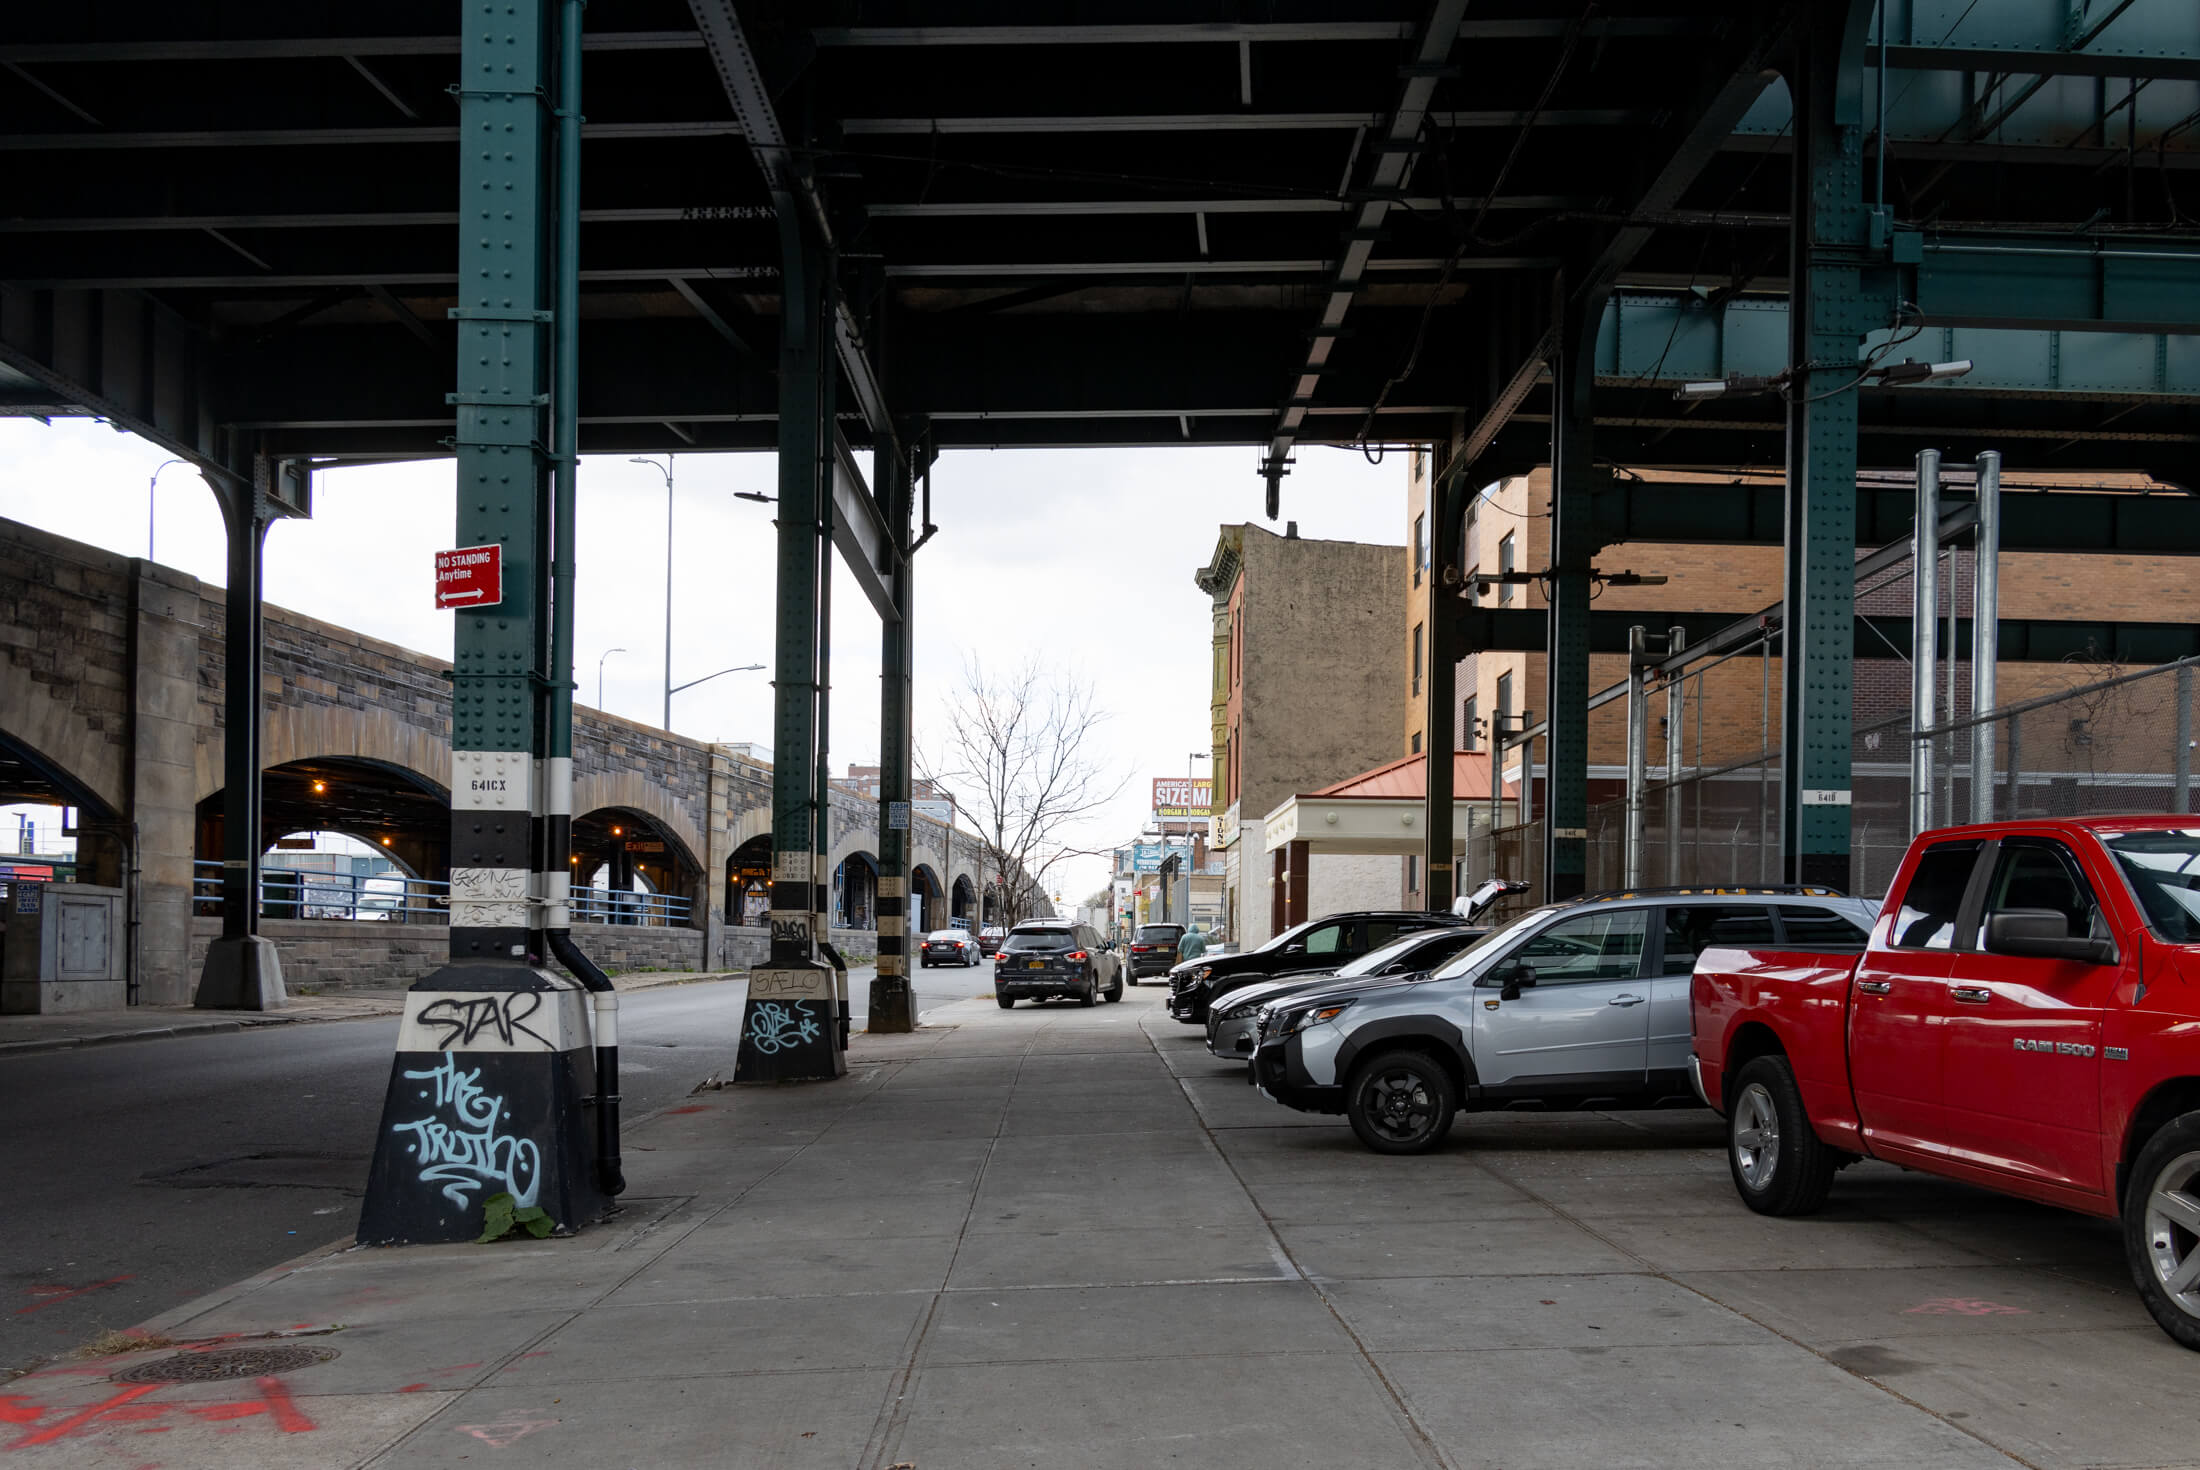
143 1175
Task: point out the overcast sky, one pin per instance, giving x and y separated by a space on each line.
1082 557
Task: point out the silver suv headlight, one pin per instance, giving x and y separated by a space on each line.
1290 1023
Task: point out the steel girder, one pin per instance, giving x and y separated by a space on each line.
2021 640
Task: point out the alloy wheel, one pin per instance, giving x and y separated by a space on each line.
2173 1232
1399 1104
1756 1136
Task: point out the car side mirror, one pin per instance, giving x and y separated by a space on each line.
1510 980
2044 934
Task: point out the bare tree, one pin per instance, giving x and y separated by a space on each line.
1020 747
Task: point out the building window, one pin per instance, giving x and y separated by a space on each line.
1416 742
1504 697
1469 717
1417 657
1413 874
1420 547
1505 565
1468 589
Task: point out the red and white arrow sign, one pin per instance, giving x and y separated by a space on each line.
471 576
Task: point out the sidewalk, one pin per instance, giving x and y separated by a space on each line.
24 1034
1067 1238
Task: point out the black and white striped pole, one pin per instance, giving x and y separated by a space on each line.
504 1081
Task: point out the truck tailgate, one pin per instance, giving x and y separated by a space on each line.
1802 1000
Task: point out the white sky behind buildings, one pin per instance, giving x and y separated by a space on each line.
1083 558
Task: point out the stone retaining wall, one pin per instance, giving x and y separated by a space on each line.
323 955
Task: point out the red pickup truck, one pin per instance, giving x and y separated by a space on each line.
2025 1017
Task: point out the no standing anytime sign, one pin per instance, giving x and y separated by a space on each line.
472 576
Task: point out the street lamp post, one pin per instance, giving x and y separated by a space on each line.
665 469
151 486
738 669
1191 785
599 674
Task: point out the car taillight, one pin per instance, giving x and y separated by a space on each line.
1077 954
1140 948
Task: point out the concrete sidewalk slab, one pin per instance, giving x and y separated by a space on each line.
1069 1237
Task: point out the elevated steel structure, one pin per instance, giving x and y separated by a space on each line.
1505 229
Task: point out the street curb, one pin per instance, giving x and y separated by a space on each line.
211 1028
200 1305
157 1033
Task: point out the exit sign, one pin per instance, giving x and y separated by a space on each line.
472 576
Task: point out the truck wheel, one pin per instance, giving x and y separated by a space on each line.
1780 1165
1400 1102
2162 1228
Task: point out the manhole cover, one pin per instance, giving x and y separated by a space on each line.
217 1363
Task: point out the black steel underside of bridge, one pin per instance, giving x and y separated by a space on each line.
1058 224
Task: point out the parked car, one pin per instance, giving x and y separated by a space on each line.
949 947
1153 950
1042 959
1233 1023
1315 947
2026 1018
1579 1000
989 939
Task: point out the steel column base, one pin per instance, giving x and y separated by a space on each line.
242 974
893 1006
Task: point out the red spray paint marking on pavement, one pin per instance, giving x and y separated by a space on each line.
50 1295
84 1417
693 1108
414 1388
275 1402
1962 1306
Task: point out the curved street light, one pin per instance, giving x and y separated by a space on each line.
665 469
599 674
690 684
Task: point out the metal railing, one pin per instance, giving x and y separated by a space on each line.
624 906
291 893
395 898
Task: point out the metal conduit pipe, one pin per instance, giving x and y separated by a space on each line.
1676 717
1985 632
1638 751
565 433
1924 632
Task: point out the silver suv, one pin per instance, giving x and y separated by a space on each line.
1586 999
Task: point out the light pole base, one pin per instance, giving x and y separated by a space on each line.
243 974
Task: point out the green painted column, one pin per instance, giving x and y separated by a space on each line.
1446 513
1827 319
893 1003
791 1027
1575 480
494 1083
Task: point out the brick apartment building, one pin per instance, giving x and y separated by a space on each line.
1306 692
1733 712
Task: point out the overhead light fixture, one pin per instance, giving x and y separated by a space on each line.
319 787
386 841
1630 579
1911 371
756 495
1740 384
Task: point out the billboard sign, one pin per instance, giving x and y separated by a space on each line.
1147 857
1183 796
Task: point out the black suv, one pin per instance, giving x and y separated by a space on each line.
1153 950
1318 944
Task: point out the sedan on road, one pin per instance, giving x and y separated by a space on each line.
1044 959
949 947
989 940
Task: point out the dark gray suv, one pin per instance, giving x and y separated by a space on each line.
1046 959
